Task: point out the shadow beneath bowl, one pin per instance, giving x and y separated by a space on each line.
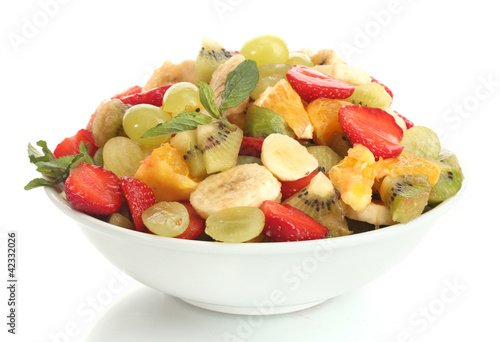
148 315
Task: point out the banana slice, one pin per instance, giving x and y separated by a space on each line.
242 185
219 78
346 73
375 213
326 57
170 73
108 120
286 158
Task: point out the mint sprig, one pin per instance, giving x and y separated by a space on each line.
239 83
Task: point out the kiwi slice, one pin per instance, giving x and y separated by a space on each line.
318 199
220 142
211 55
327 158
447 157
260 122
449 183
422 142
405 196
187 143
371 95
336 224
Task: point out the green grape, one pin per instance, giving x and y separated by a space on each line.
181 97
122 156
263 83
166 218
299 58
265 49
270 69
140 118
237 224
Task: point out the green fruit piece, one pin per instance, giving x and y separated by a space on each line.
248 160
140 118
119 220
166 218
236 224
220 142
327 158
370 95
260 122
422 142
211 55
263 84
336 224
122 156
187 143
405 196
318 199
449 183
299 58
449 158
270 69
265 49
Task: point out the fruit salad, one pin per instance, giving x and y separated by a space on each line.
256 145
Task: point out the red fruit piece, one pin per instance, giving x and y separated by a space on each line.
71 146
408 123
93 190
291 187
372 127
132 90
311 84
196 224
153 97
139 197
286 223
251 146
389 91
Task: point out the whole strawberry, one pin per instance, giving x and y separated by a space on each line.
93 190
139 197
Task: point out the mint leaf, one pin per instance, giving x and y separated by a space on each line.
239 84
84 150
38 182
207 99
182 122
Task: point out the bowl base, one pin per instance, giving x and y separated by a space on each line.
252 310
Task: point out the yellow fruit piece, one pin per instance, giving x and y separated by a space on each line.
167 173
324 117
284 100
355 175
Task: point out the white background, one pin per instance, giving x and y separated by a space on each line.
59 61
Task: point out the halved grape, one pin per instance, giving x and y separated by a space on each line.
263 83
273 69
234 225
140 118
122 156
181 97
299 58
265 49
166 218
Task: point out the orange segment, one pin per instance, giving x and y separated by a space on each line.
167 173
354 176
284 100
324 117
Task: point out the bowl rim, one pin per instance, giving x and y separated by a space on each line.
211 247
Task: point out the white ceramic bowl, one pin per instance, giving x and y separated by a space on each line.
254 278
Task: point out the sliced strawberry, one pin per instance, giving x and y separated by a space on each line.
389 91
408 123
286 223
93 190
71 146
291 187
196 224
153 97
251 146
139 197
372 127
311 84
